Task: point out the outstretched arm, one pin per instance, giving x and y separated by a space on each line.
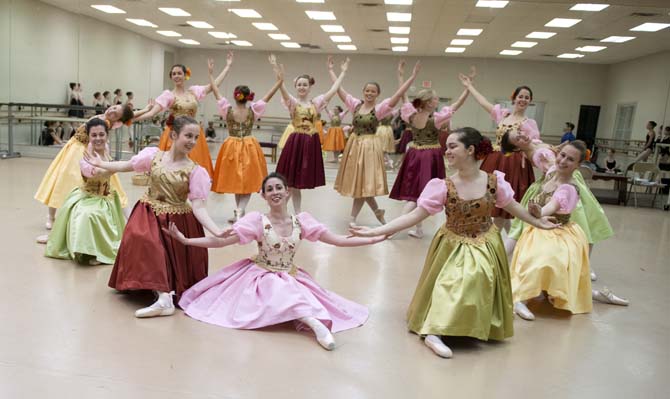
204 242
517 210
340 91
467 82
119 166
336 84
344 241
279 73
405 86
142 115
217 82
212 82
401 223
200 212
400 74
147 108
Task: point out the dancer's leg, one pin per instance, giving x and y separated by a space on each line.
379 213
51 216
323 335
162 307
356 209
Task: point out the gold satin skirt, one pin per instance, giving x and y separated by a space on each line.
361 173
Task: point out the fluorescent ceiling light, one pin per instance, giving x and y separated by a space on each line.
590 49
511 52
168 33
241 43
333 28
540 35
469 32
398 16
399 30
570 55
320 15
222 35
141 22
461 42
589 7
341 39
265 26
562 22
650 27
108 9
399 48
400 40
524 44
398 2
189 41
617 39
245 12
200 24
492 3
454 49
175 12
346 47
279 36
290 44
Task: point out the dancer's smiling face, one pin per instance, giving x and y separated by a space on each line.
177 74
370 92
456 152
522 99
275 192
114 113
185 139
569 159
302 87
97 136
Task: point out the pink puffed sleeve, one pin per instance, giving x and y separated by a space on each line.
292 101
567 197
530 129
198 91
249 228
443 116
543 159
383 109
498 113
433 196
142 161
258 108
165 100
310 227
406 111
504 192
199 184
87 170
222 105
320 102
351 102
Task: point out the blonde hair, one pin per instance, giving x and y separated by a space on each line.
423 96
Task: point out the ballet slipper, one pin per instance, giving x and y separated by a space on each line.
522 311
323 336
593 275
49 223
437 346
162 307
94 262
42 239
607 296
379 214
418 233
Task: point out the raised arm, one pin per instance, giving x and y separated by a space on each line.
333 77
200 212
203 242
455 106
279 73
212 82
405 86
467 82
401 223
336 84
282 88
217 82
400 74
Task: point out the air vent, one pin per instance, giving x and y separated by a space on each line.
588 39
184 25
644 14
375 30
309 45
547 55
383 49
369 4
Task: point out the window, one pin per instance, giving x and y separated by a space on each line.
623 121
534 111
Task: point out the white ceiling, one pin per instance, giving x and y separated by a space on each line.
433 26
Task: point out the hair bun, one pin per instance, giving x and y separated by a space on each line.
483 149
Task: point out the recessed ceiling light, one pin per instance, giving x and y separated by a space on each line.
290 44
320 15
241 43
341 39
398 16
168 33
511 52
590 49
108 9
570 55
141 22
398 2
200 24
189 41
310 1
245 12
346 47
222 35
618 39
524 44
264 26
589 7
454 49
461 42
469 32
562 22
400 40
492 3
175 12
650 27
332 28
540 35
279 36
399 30
399 48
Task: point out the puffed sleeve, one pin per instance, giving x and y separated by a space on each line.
320 102
504 191
310 227
87 170
165 100
199 184
351 102
258 108
433 196
543 159
406 111
530 129
222 106
142 161
383 109
291 103
198 91
443 116
566 195
249 228
498 113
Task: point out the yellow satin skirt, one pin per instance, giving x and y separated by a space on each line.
385 136
284 137
240 166
199 154
361 173
555 261
64 175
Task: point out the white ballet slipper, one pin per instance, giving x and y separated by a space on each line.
522 311
323 336
94 262
162 307
42 239
379 214
417 233
594 277
49 223
607 296
437 346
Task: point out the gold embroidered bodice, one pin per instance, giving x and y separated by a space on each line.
240 129
184 105
335 121
470 219
168 189
276 253
304 118
506 128
386 121
427 136
364 124
543 198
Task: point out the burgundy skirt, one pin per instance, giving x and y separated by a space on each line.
518 173
149 259
417 169
406 137
301 161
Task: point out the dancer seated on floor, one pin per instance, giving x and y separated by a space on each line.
269 288
464 289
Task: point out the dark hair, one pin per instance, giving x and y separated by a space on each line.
579 146
96 122
667 128
126 113
309 78
245 93
105 93
339 110
518 90
653 124
72 85
276 176
180 66
470 136
182 121
129 93
506 145
96 94
570 125
375 84
117 91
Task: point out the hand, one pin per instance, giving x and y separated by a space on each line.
473 73
272 59
229 58
229 232
330 63
210 66
535 209
465 80
401 68
417 69
151 103
362 231
93 159
279 71
547 223
345 65
174 232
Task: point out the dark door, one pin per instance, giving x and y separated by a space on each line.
588 124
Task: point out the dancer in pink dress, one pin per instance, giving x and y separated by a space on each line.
269 288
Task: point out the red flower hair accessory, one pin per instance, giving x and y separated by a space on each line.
239 96
188 73
251 96
483 149
129 122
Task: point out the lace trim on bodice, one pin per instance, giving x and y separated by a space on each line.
168 189
276 253
240 129
364 124
470 219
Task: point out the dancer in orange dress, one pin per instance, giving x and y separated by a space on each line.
335 137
